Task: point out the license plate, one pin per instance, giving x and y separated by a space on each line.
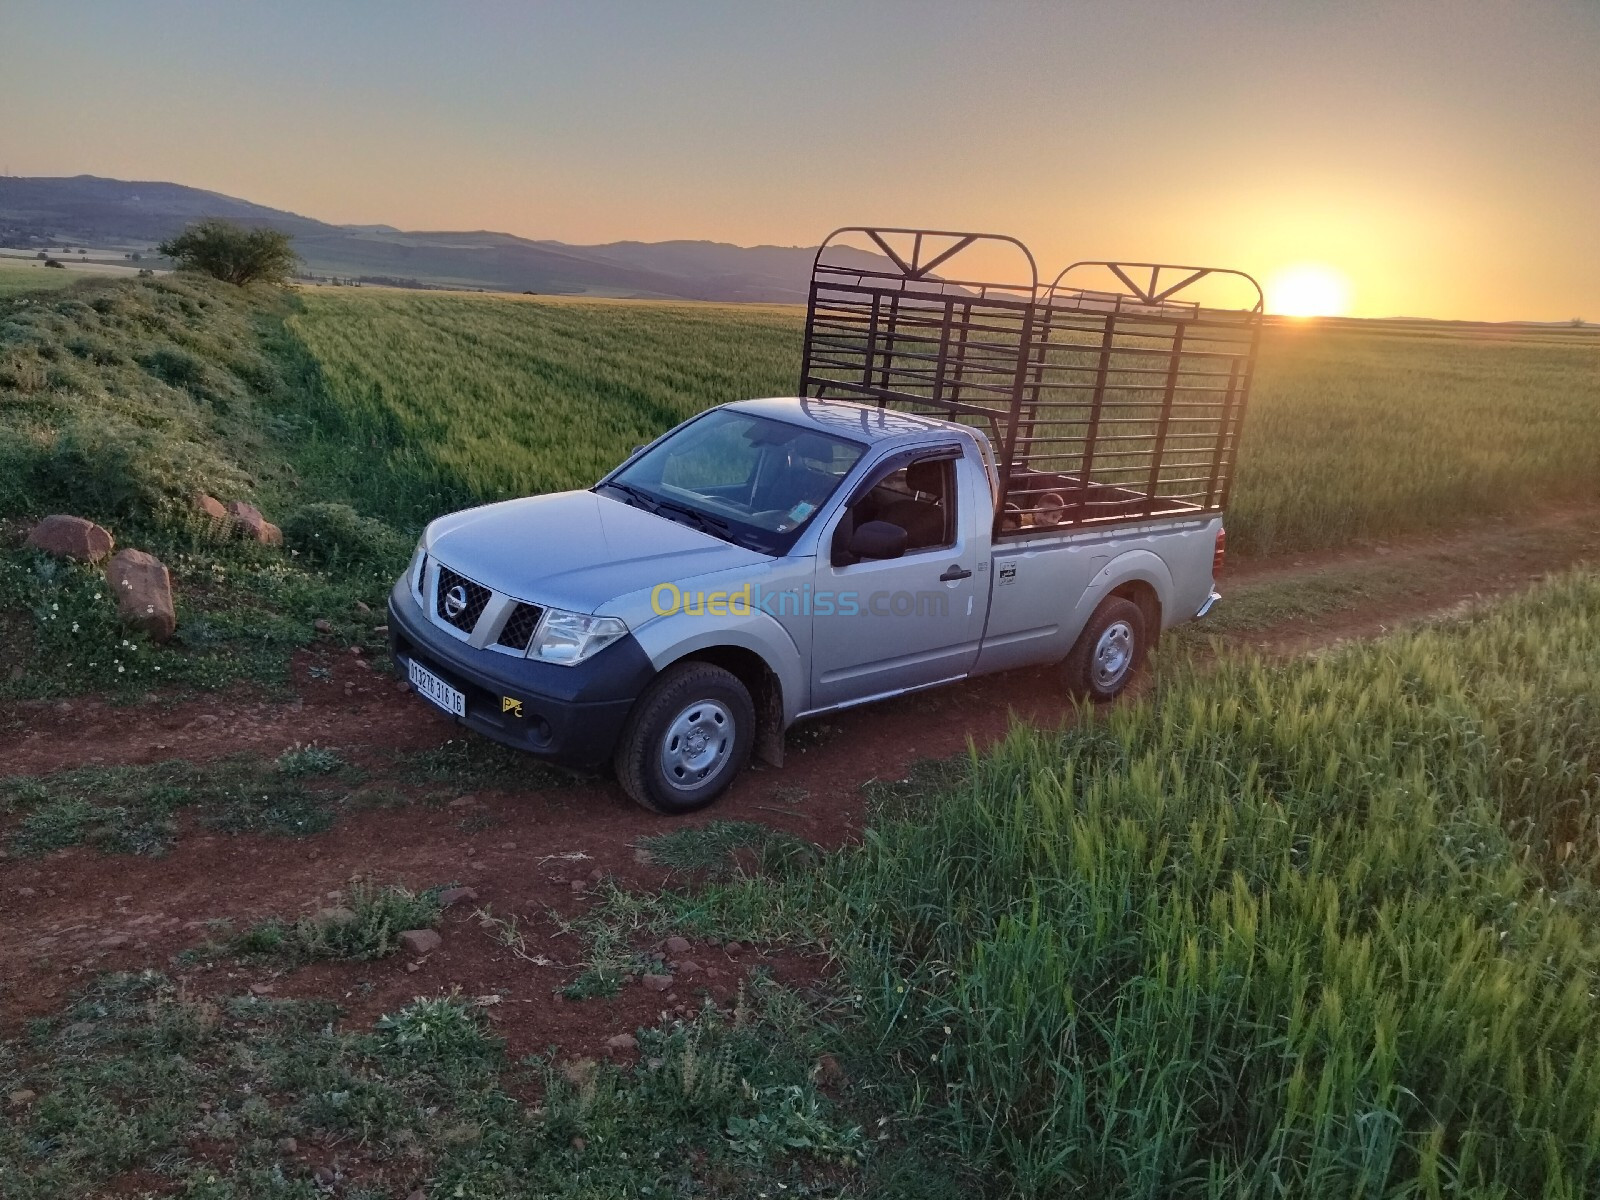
437 690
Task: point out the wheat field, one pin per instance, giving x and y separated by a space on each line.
1351 435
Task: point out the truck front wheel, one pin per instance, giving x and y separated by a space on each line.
1109 651
686 739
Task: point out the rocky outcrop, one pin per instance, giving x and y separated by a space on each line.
251 525
71 537
144 593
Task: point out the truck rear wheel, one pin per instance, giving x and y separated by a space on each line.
1109 651
686 739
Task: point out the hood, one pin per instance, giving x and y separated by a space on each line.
576 550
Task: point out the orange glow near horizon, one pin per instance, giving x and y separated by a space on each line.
1308 290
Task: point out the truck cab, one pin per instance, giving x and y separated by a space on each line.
769 560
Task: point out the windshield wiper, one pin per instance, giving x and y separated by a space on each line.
640 497
707 523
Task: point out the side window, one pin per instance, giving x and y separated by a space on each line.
919 498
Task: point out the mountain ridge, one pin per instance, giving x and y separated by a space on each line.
41 211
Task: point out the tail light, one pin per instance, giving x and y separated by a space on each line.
1220 554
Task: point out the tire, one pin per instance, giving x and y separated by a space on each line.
687 738
1109 651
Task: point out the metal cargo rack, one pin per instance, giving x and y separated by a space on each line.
1115 393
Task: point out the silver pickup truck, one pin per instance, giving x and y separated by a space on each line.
975 477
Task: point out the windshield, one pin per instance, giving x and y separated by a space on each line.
747 479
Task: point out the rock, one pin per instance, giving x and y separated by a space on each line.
678 945
579 1071
25 891
322 625
251 525
363 607
829 1072
579 1144
413 968
456 895
656 983
420 941
144 593
597 874
463 802
733 947
115 941
686 966
324 1176
622 1042
578 885
210 508
263 989
642 857
402 686
288 1145
20 1097
336 915
508 845
71 537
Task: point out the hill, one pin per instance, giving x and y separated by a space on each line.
86 209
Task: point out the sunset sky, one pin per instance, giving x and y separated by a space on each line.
1438 159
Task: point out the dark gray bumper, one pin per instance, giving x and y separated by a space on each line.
572 715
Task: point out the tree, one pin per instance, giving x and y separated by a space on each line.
233 253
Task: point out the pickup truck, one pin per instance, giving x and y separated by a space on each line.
986 477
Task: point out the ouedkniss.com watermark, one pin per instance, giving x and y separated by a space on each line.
805 601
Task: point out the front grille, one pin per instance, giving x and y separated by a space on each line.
519 628
477 596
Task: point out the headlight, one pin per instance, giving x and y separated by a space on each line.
569 638
419 559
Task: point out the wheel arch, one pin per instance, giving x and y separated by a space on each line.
761 681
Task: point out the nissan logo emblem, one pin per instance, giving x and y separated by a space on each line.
455 601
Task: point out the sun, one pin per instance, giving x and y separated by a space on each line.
1308 290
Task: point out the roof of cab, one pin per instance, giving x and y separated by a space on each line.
844 418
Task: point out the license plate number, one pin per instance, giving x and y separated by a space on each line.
437 690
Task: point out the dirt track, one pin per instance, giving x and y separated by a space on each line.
523 849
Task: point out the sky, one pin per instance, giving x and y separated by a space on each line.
1430 158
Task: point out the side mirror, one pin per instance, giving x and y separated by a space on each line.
636 449
878 539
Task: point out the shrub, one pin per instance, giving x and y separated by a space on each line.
337 533
233 253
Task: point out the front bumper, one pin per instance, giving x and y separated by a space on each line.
571 715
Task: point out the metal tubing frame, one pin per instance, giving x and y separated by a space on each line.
985 350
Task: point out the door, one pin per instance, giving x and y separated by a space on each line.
883 626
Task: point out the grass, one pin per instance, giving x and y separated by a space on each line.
118 401
713 847
1317 928
1317 591
143 1083
354 416
366 923
26 278
137 809
1351 435
460 399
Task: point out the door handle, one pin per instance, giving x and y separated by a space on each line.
954 573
